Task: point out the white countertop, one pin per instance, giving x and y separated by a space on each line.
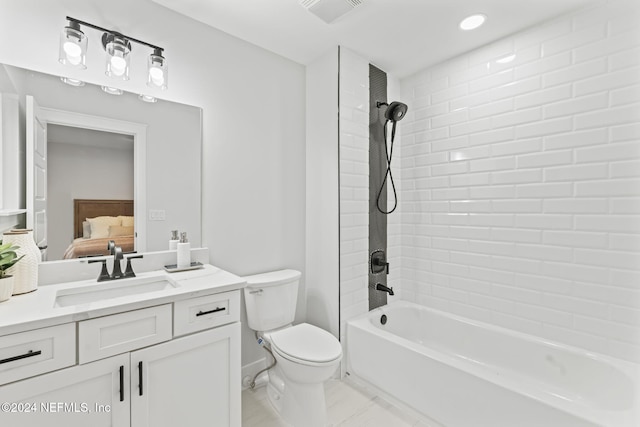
38 309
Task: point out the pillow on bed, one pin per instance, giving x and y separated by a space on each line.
100 226
126 221
120 230
86 230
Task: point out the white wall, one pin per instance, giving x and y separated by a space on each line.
520 197
322 233
253 101
82 172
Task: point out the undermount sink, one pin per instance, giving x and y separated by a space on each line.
114 289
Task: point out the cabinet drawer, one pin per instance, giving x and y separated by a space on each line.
31 353
205 312
119 333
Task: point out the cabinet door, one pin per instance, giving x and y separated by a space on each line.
95 394
190 381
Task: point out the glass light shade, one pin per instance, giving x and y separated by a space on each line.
117 59
73 47
158 71
147 98
112 90
72 82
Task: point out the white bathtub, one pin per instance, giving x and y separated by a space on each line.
463 373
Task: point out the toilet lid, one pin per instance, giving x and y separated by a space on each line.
307 342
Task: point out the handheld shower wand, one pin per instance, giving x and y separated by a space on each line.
393 113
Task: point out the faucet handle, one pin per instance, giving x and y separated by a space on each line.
104 273
379 262
111 246
128 272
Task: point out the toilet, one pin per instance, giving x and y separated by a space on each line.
306 356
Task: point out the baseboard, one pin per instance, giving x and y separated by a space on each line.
251 369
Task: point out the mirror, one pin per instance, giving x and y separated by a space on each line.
101 148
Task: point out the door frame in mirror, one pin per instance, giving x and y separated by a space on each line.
139 133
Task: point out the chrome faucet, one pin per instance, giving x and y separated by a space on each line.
381 287
116 273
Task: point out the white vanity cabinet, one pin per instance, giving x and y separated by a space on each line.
188 381
80 396
134 371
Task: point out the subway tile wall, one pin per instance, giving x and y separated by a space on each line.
394 220
520 199
354 186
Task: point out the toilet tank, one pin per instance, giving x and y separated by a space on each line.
271 299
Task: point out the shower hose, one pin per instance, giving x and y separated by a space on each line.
389 154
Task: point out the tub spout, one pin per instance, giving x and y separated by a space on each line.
381 287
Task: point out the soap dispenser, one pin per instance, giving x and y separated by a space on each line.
183 252
174 240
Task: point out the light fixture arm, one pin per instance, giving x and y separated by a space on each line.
115 33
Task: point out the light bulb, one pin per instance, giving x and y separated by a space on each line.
72 49
118 65
157 76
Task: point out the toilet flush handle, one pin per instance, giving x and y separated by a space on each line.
257 291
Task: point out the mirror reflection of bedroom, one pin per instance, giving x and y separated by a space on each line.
90 180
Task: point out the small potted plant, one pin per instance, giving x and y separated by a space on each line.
8 258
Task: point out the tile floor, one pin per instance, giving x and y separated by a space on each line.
348 405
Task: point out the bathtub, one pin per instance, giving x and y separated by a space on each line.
463 373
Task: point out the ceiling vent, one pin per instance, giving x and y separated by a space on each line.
330 10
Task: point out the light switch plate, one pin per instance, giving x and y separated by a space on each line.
156 215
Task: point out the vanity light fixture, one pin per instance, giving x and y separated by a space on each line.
73 48
118 49
472 22
158 73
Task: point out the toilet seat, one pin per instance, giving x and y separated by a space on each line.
306 344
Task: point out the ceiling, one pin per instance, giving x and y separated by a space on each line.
399 36
88 138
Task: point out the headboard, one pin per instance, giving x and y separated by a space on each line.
91 208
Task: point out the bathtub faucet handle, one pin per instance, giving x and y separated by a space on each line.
379 262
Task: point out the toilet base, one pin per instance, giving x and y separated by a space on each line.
300 405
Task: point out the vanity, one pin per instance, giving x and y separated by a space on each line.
161 349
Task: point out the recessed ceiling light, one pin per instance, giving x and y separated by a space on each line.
472 22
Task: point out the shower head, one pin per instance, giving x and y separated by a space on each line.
395 111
